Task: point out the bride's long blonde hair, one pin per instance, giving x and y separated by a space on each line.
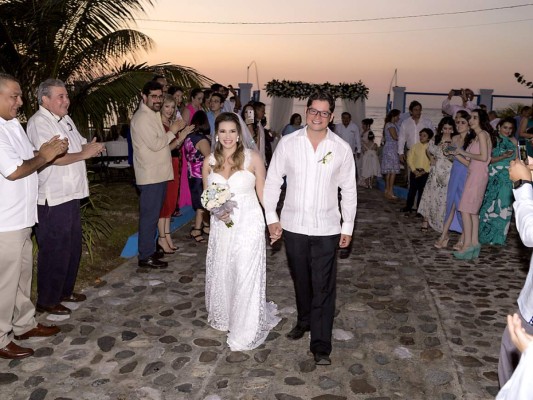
238 156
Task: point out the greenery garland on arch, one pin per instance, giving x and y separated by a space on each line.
302 90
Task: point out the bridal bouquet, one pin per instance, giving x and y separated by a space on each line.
217 200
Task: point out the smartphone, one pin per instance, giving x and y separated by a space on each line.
522 152
249 114
457 92
450 148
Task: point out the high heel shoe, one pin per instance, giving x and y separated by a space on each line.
161 248
477 249
458 246
466 254
170 244
441 243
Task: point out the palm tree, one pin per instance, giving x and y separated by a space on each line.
88 44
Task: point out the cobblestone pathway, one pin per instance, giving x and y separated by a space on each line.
412 323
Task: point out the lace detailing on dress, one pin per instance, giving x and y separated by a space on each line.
236 268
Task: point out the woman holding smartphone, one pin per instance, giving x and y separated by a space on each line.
497 208
456 183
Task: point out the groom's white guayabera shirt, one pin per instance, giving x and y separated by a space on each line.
311 204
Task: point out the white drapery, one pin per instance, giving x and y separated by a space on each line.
356 108
280 113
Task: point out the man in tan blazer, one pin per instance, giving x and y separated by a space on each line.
153 168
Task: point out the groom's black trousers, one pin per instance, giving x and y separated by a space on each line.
313 265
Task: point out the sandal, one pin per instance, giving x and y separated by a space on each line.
206 229
197 238
170 244
162 248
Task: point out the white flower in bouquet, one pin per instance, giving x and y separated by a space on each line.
217 200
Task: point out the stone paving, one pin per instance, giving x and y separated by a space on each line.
412 323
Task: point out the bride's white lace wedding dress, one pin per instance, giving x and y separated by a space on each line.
236 267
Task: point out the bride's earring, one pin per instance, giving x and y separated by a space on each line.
237 140
216 138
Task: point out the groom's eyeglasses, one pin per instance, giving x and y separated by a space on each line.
323 114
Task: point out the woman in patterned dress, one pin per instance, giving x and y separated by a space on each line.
433 203
390 160
496 210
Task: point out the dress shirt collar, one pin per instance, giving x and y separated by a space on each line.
329 134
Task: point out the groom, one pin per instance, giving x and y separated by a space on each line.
316 163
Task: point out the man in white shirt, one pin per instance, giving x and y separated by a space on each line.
349 132
61 187
316 163
215 109
411 127
523 207
467 98
18 208
228 105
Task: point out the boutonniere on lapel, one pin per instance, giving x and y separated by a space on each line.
327 158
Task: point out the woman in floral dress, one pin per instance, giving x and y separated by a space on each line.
496 210
433 203
390 160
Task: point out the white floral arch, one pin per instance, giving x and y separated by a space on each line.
284 92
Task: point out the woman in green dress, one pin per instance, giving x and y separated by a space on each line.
496 210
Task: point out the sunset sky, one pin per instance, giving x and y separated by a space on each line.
435 53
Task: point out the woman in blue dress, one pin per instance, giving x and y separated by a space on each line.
456 184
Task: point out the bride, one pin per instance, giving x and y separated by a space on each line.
236 256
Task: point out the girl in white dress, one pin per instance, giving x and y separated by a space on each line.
370 163
236 256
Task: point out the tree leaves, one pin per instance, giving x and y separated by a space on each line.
88 44
521 80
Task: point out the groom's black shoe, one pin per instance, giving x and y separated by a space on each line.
322 359
297 332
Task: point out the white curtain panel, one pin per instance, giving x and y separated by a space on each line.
356 108
280 113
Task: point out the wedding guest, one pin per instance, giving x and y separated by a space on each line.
349 132
525 133
62 186
418 162
257 132
19 163
520 175
177 93
196 147
215 109
235 282
525 113
456 183
228 105
366 124
433 203
196 98
467 98
153 168
295 124
178 128
411 127
496 209
311 224
390 160
479 143
370 161
493 119
162 81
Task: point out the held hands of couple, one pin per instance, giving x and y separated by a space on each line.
275 231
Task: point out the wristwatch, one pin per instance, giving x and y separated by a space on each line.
520 183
